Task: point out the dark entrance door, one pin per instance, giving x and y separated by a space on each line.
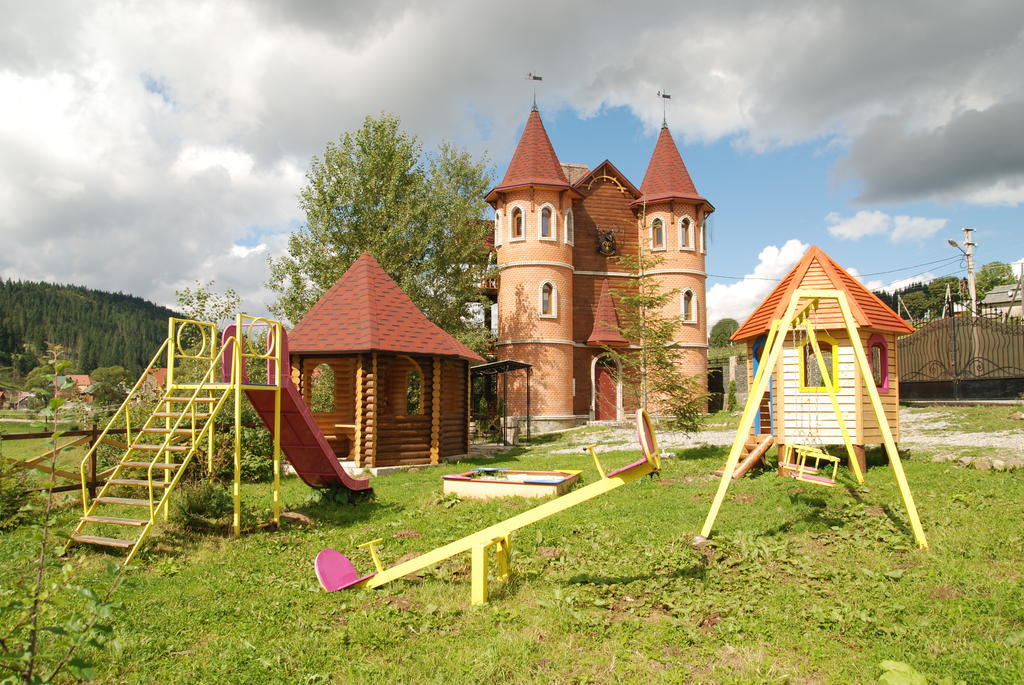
606 395
716 390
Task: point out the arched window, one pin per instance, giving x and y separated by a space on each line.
517 224
548 300
686 234
878 360
704 236
810 373
497 229
657 235
570 229
547 226
322 395
688 306
414 392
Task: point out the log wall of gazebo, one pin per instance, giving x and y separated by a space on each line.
370 423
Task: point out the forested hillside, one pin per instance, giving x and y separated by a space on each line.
96 328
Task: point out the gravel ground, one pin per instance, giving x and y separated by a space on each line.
913 425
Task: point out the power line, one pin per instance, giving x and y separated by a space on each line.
944 260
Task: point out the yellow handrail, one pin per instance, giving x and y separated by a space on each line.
128 434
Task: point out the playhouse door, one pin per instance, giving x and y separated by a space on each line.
606 399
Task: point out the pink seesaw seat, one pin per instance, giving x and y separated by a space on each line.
335 571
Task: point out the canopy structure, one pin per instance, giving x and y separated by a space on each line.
502 368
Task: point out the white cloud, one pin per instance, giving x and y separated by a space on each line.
738 300
899 228
901 283
863 223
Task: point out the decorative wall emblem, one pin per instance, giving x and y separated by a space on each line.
606 242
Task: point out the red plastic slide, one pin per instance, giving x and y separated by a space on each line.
302 443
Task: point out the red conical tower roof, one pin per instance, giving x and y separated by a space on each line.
534 162
606 322
366 311
667 177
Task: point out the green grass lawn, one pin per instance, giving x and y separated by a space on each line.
799 584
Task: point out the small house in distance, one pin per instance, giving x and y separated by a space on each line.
387 387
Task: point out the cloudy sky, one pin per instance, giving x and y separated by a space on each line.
144 145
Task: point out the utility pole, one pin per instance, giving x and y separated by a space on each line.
971 287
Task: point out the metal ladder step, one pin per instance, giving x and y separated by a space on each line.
142 483
172 431
156 448
176 414
190 399
127 501
115 520
105 542
146 465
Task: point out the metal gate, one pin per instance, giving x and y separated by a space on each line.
964 357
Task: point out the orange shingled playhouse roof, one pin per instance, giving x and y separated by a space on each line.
817 270
366 311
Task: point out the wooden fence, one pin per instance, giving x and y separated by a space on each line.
79 438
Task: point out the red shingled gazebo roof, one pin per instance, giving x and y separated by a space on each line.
817 270
606 322
366 311
667 177
534 162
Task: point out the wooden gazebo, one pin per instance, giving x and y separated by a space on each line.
401 383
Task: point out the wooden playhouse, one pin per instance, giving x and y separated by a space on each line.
797 408
386 386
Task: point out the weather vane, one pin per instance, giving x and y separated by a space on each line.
664 118
534 77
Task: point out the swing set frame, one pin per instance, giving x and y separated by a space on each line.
799 313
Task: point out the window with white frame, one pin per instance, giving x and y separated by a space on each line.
657 234
570 229
548 300
685 234
497 229
516 231
547 224
688 306
704 236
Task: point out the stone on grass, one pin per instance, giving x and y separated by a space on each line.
982 464
965 461
1017 416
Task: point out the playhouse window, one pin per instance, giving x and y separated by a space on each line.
658 235
548 302
414 392
878 360
685 234
517 224
545 224
322 390
689 306
570 229
810 373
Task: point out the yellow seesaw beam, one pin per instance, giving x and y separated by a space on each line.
498 534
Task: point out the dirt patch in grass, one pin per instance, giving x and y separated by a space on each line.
745 497
944 592
404 534
549 552
708 623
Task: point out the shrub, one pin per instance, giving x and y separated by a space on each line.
203 507
730 402
14 495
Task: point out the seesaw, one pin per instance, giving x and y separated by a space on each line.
336 572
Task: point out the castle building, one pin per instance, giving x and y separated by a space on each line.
558 229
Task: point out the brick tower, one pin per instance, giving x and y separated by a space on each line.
673 215
558 229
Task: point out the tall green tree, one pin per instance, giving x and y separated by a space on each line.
722 331
991 275
419 214
110 385
651 370
203 303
